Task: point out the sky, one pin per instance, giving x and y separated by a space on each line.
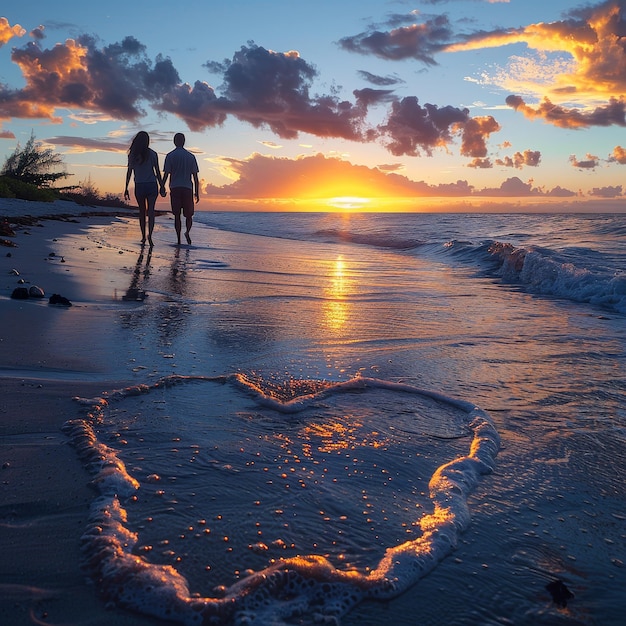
375 105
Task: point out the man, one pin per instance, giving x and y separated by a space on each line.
182 169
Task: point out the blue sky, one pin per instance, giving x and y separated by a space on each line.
472 101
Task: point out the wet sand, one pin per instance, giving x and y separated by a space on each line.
44 363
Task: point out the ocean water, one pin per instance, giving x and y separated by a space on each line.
364 419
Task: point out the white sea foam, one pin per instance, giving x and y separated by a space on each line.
307 584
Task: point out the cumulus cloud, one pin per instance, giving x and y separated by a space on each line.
7 32
590 162
480 163
618 155
607 192
269 89
115 79
306 177
261 87
412 129
476 131
528 158
316 176
261 176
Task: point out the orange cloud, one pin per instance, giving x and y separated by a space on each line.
316 177
475 133
612 113
7 32
618 155
590 162
588 50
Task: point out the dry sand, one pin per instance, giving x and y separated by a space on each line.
45 493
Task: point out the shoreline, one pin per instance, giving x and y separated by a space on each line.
45 489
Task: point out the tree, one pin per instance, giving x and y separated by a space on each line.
34 164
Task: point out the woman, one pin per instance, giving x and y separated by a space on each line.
144 163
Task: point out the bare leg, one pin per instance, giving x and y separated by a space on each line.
178 226
142 217
188 223
151 220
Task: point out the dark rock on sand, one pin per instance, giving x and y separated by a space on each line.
36 292
20 293
55 298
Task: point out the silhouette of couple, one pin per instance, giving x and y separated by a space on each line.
180 167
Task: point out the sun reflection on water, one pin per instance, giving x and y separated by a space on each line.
336 307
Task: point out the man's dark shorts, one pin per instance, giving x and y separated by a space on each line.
181 199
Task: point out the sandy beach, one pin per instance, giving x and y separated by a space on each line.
216 475
45 362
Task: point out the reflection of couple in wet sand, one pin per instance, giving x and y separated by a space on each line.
134 291
141 273
180 167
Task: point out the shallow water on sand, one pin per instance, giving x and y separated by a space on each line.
227 483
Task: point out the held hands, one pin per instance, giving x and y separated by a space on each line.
126 195
162 191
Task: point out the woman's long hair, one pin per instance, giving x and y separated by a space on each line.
138 151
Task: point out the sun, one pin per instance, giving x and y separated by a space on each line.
349 203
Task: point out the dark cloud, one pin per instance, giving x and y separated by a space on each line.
380 81
612 113
530 158
268 89
197 105
38 33
417 41
113 80
412 129
369 96
476 131
260 87
590 162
